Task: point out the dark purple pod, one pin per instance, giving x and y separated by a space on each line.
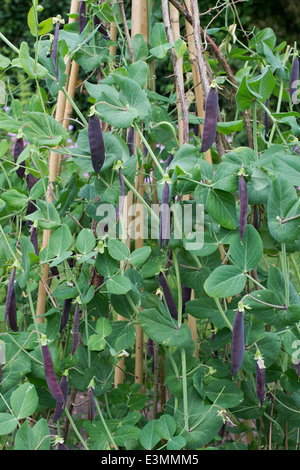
10 312
59 408
34 240
169 160
82 16
243 195
168 296
31 181
165 219
96 142
260 373
54 49
96 280
62 446
18 149
237 347
130 140
150 347
294 80
75 329
296 149
256 218
101 29
297 368
210 120
65 314
54 271
31 207
92 404
186 296
51 378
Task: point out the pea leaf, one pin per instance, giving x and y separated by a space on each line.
221 206
159 41
225 281
283 204
163 330
248 254
118 285
32 69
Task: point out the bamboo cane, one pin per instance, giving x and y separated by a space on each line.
53 172
139 25
174 20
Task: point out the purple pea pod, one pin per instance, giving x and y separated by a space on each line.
75 330
62 446
256 218
18 149
260 373
54 49
165 219
169 160
54 271
294 80
237 346
150 347
297 368
101 28
130 140
31 207
92 404
82 16
51 378
34 240
168 296
65 314
210 120
10 312
59 408
243 195
96 142
186 296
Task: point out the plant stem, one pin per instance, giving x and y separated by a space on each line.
105 425
255 131
8 245
223 313
75 429
182 350
285 273
32 307
184 389
179 290
75 107
140 198
137 129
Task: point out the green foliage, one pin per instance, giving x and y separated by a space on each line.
105 287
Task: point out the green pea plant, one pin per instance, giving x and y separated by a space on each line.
83 276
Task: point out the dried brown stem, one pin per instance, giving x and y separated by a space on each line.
178 77
221 58
121 4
